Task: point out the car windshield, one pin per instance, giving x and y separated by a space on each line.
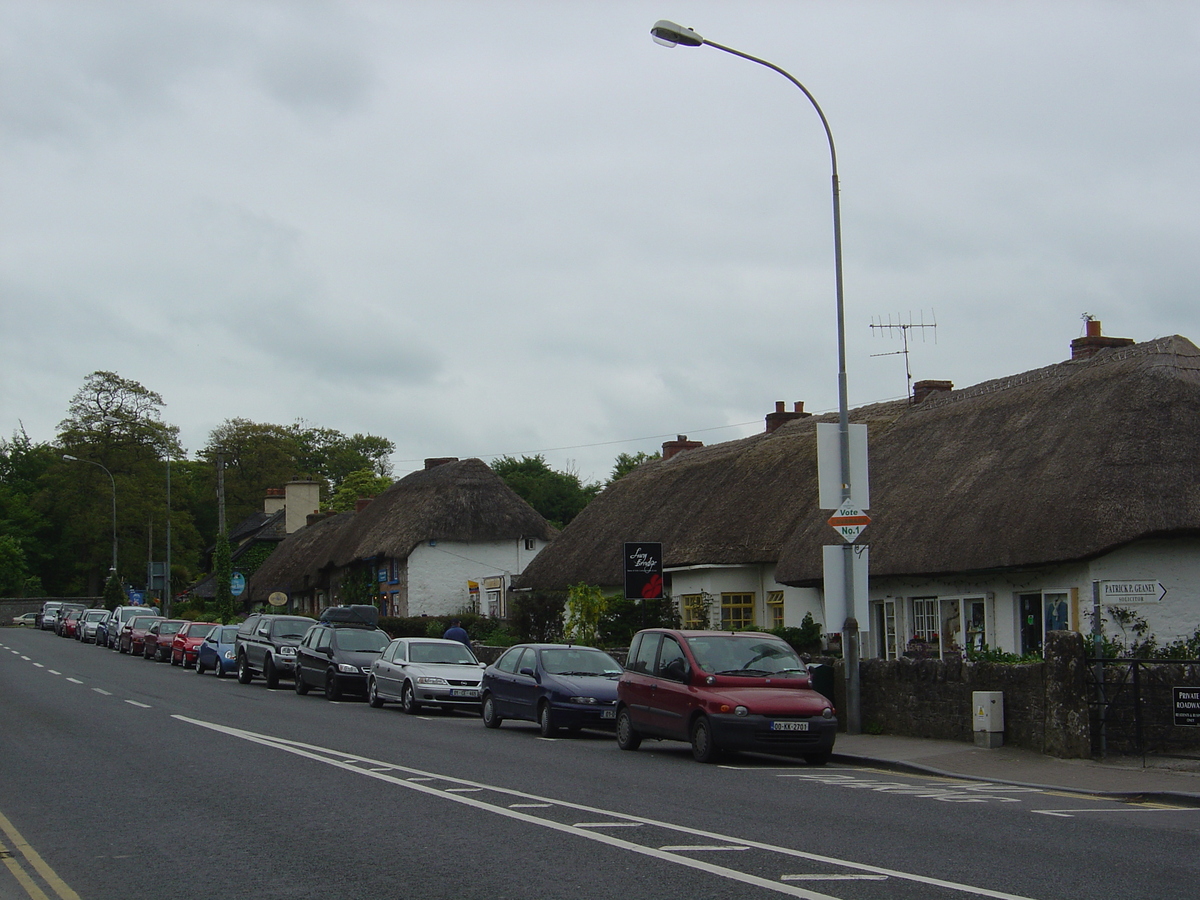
353 639
294 628
579 661
733 654
447 654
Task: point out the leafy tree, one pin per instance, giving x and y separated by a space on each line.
359 587
363 483
623 618
627 462
558 496
113 595
586 605
538 615
222 576
13 572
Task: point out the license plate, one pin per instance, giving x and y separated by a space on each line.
789 726
461 693
608 713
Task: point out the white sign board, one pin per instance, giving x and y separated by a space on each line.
836 607
829 466
1125 592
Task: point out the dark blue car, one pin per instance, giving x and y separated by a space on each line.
555 685
217 653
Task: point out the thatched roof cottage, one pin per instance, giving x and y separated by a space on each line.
994 509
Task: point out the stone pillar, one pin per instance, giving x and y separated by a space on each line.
1068 725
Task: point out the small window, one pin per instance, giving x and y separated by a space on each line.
672 664
530 543
737 611
695 611
642 660
508 662
775 608
324 638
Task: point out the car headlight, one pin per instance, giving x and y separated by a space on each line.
431 679
229 654
741 711
349 669
589 700
287 651
827 713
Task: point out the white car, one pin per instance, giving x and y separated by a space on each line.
420 672
27 619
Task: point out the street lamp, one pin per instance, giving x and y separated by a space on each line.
114 502
671 35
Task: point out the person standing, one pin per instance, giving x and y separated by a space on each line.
457 633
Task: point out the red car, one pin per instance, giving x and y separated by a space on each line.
186 645
133 635
722 691
157 643
69 623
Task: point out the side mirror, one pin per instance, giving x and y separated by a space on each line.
527 671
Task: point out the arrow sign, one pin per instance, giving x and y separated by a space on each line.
849 521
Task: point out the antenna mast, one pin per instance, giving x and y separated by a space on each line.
904 328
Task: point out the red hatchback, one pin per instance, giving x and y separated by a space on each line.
157 643
722 691
186 645
133 635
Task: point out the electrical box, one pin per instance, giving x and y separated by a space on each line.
988 713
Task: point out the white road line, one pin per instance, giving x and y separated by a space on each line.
26 658
102 691
74 681
833 878
39 665
1070 813
53 672
463 790
684 848
333 758
607 825
141 705
528 805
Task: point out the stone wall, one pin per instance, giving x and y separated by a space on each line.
10 606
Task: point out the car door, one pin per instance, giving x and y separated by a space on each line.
526 689
501 681
389 673
637 685
672 698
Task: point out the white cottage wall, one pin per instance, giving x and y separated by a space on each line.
438 571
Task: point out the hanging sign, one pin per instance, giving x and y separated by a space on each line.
643 571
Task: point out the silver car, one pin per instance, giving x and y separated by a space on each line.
85 630
425 672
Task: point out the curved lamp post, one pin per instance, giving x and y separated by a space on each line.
671 35
114 501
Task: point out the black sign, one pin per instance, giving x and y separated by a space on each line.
643 571
1187 705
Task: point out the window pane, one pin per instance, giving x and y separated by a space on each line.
737 611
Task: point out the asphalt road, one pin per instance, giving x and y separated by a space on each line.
127 778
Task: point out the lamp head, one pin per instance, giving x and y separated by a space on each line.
70 457
670 35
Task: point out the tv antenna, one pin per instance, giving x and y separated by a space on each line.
904 328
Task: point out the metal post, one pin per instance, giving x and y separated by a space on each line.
1098 666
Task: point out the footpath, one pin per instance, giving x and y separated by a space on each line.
1157 779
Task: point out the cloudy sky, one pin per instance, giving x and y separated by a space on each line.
484 228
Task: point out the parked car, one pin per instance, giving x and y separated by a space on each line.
722 691
218 651
67 621
26 619
117 620
133 633
425 671
336 653
86 630
266 645
186 643
555 685
159 636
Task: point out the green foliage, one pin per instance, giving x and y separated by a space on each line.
805 639
558 496
627 462
435 626
992 655
13 572
623 618
360 587
362 483
253 557
538 615
586 604
222 574
113 595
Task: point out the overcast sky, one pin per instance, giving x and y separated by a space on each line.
518 227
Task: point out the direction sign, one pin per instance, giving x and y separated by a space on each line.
1126 592
849 521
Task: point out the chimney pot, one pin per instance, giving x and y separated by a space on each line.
677 446
781 415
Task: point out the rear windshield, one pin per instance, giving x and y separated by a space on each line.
733 654
448 654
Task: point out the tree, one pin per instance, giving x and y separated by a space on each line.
586 605
363 483
558 496
627 462
13 572
222 576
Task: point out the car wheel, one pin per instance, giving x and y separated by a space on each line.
333 690
627 736
490 719
219 668
408 699
199 668
173 662
245 676
373 694
703 747
546 720
817 759
301 685
270 673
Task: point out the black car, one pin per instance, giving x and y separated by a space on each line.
336 653
266 645
555 685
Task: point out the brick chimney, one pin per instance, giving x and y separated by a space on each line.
362 503
681 443
1093 342
922 389
435 461
781 415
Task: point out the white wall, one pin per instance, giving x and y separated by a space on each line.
438 574
754 579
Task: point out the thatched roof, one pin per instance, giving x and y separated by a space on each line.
1061 463
459 500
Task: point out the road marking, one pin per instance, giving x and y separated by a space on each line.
463 790
140 705
607 825
53 672
834 878
26 658
335 758
686 848
74 681
1071 813
526 805
959 792
102 691
34 858
39 665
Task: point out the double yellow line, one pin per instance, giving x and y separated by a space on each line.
49 876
